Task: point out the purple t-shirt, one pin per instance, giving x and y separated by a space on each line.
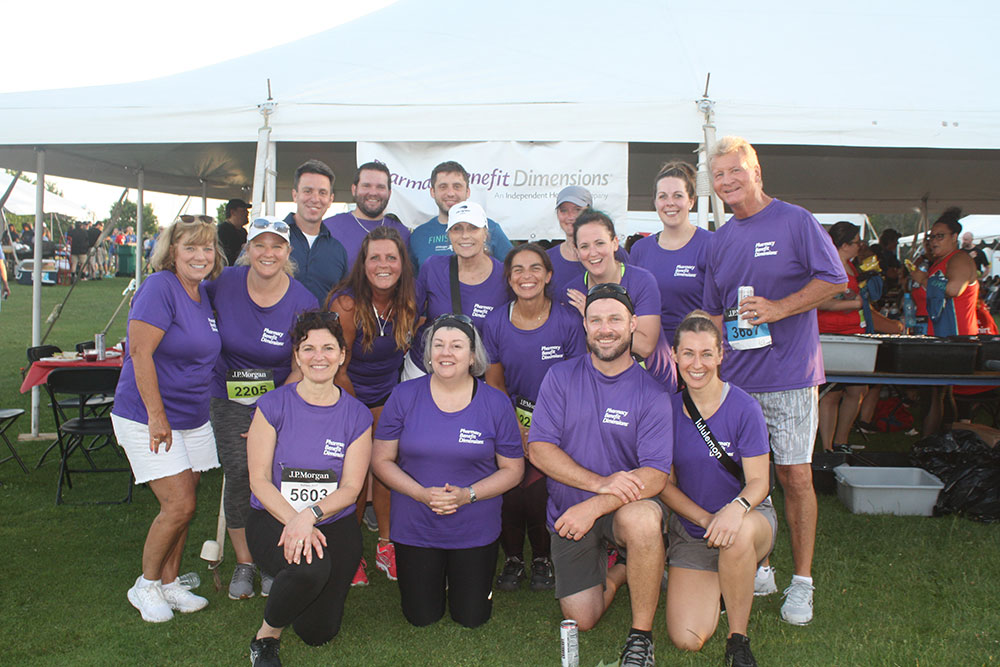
374 372
527 355
184 359
434 298
680 275
564 270
351 231
605 424
252 336
645 295
311 437
777 252
739 427
457 448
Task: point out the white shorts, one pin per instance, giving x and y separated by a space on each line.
792 417
411 370
192 449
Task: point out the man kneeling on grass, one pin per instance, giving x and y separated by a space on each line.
602 432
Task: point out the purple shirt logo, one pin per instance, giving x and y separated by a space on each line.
211 323
764 249
616 417
272 337
468 436
334 449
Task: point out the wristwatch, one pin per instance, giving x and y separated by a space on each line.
472 495
744 503
317 512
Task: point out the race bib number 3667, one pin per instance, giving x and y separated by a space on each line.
744 338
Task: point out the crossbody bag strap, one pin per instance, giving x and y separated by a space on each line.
456 294
714 448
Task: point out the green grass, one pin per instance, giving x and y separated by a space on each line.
890 590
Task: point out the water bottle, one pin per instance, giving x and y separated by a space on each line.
909 313
190 580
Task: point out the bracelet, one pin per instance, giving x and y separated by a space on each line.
744 503
472 495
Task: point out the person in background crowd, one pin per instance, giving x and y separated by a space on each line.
471 272
256 303
79 244
594 233
161 414
4 285
449 186
675 255
320 260
772 342
721 525
308 451
977 255
601 431
523 341
375 304
842 315
129 236
99 252
566 264
447 445
371 190
232 230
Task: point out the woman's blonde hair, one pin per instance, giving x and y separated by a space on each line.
201 230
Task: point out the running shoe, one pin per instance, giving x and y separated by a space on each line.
360 578
241 585
798 606
738 652
763 581
264 652
265 584
638 652
150 602
512 575
542 576
181 599
385 559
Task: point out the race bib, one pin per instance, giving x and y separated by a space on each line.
740 338
524 409
246 385
302 488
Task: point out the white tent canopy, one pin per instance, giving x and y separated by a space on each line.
849 106
22 201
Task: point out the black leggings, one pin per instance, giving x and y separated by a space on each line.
524 510
427 575
309 597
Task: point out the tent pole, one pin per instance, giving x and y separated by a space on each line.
707 107
36 276
271 182
204 196
138 229
264 146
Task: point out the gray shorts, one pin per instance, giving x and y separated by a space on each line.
693 553
583 564
792 417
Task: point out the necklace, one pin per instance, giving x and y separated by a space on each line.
380 222
382 320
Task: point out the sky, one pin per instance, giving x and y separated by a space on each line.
66 44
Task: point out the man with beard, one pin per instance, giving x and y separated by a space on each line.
602 431
371 190
320 260
450 186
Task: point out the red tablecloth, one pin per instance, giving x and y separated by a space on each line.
38 374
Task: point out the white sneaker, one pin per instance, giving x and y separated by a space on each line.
763 581
798 606
181 599
150 602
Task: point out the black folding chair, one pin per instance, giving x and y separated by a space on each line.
84 433
7 419
98 404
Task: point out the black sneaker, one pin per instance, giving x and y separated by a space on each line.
512 575
638 652
738 652
264 652
542 577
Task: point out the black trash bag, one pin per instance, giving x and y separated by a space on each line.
970 470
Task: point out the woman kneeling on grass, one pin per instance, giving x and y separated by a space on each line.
308 452
720 527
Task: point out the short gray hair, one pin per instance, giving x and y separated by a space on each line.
480 362
731 144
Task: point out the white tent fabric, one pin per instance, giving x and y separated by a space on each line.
854 105
22 201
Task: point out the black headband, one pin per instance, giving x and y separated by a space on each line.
458 321
609 291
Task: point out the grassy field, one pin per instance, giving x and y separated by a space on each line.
890 590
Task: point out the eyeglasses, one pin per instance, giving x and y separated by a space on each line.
938 237
279 226
197 218
460 317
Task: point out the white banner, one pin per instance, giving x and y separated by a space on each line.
516 182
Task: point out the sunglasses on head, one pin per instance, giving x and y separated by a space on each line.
279 226
610 291
197 218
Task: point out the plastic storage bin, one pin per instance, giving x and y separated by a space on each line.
844 353
902 491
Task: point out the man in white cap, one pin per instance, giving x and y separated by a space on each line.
450 186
